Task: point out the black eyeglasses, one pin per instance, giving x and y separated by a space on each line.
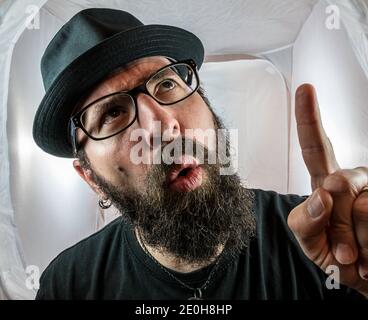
116 112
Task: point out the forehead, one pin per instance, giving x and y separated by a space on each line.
143 66
126 77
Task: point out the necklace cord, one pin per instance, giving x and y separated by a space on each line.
197 291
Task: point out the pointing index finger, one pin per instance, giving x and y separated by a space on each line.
317 150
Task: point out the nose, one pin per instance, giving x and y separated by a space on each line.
158 121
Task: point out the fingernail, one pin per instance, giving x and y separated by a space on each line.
363 271
315 205
344 254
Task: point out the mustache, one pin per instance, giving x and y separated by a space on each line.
171 152
177 152
221 150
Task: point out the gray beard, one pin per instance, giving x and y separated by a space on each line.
190 226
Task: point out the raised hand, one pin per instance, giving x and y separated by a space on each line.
331 226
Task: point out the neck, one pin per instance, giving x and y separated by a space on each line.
169 261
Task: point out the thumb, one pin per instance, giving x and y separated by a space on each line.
308 222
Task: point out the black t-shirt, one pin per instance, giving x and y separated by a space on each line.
110 264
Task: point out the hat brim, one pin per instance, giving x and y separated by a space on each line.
50 126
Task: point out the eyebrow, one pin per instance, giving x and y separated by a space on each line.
168 71
120 88
159 75
153 75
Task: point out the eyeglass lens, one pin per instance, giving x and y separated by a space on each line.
112 114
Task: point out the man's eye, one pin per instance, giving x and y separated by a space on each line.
111 114
166 85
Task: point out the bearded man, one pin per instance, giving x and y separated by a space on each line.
124 99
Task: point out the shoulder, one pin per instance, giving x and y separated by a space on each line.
265 199
271 210
273 206
101 238
78 261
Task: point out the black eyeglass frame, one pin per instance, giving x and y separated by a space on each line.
75 121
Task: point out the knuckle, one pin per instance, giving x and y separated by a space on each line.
363 243
341 232
363 254
360 208
342 175
341 180
313 150
295 224
291 221
362 170
300 228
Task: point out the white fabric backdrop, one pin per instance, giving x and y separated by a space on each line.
47 195
324 57
251 96
354 16
226 27
12 275
49 198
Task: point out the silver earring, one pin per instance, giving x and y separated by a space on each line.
104 203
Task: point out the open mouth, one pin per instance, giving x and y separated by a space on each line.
185 177
184 172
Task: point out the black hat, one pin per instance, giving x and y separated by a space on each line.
84 51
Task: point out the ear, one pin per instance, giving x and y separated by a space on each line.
86 175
